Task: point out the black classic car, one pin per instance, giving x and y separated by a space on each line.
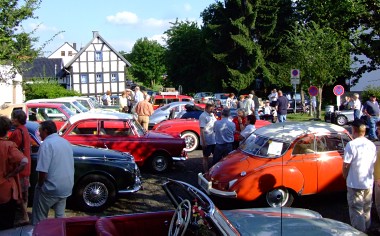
100 174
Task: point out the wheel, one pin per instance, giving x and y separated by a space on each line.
279 197
160 163
94 193
341 120
181 219
191 140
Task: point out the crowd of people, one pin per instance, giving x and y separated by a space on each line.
55 168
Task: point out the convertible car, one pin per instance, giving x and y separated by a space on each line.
121 132
280 161
100 174
196 214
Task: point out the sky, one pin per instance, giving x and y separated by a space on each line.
119 22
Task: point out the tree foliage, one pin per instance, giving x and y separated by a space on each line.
148 65
187 60
320 54
16 46
46 88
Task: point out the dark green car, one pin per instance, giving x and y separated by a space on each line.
100 174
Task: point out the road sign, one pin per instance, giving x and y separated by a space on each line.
313 91
295 81
295 74
338 90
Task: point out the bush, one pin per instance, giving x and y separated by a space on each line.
368 91
46 88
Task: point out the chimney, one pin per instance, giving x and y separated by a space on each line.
75 46
94 34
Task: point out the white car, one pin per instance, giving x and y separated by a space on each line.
71 103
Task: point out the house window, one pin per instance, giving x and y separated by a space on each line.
83 78
70 53
113 77
62 53
99 78
98 56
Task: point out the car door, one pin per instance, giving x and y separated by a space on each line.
84 132
304 158
330 150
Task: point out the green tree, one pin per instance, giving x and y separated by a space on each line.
16 46
187 59
355 20
46 88
148 65
320 54
242 35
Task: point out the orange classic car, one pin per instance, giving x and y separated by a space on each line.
280 161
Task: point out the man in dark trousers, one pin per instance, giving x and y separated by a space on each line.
282 106
257 104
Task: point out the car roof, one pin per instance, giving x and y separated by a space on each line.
44 104
170 96
289 131
100 115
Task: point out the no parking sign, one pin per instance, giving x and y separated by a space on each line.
338 91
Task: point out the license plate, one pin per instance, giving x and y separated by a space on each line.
205 185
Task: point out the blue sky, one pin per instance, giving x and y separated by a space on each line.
121 23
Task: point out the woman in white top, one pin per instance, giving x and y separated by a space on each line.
249 128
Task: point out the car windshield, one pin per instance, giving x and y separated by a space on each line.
67 110
265 147
80 106
138 128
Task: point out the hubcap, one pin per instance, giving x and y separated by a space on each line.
277 197
95 194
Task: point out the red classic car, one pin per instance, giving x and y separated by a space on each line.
189 130
120 131
56 112
280 161
196 214
169 97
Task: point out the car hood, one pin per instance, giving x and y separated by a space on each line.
159 135
87 152
235 163
286 221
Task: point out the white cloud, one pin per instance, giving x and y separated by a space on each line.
160 38
187 7
123 18
152 22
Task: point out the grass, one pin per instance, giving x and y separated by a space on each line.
301 116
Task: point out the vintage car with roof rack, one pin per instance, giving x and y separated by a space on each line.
120 131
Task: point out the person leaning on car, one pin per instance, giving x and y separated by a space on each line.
12 162
144 110
358 165
55 167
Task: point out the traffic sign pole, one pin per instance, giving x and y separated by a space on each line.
338 91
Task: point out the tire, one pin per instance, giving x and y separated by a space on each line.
94 193
191 140
279 197
341 120
160 163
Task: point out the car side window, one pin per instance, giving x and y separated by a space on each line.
85 128
333 142
115 128
304 145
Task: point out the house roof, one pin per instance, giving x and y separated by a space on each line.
66 43
96 35
43 68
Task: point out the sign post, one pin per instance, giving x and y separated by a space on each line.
294 80
338 91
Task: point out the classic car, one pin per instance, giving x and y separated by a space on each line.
168 111
189 130
71 103
279 161
341 117
196 214
120 131
163 98
203 97
100 174
56 112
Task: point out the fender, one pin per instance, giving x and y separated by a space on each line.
257 183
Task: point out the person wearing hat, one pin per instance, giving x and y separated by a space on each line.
372 111
358 168
224 130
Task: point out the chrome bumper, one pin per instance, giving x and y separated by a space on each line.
135 188
179 158
207 187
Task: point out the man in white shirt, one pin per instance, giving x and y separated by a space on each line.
206 123
139 96
249 105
